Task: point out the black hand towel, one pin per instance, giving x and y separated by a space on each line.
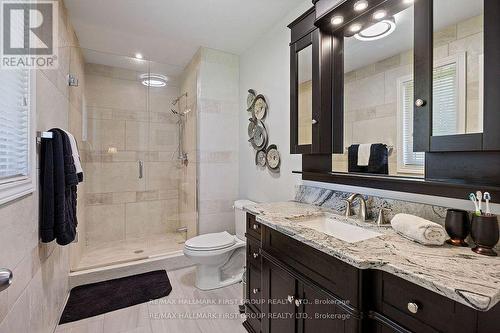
378 163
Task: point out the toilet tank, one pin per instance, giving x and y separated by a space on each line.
240 217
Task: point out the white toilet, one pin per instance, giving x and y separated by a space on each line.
220 257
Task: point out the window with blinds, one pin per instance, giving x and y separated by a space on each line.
15 119
448 110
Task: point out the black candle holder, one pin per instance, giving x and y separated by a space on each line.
484 232
457 225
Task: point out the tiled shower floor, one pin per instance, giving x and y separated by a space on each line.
117 252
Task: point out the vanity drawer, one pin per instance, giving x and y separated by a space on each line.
421 310
253 227
254 290
253 253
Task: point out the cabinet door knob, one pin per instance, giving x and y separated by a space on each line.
255 255
255 227
5 278
314 121
298 302
419 102
255 291
413 307
290 298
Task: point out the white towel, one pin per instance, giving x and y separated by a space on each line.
418 229
364 152
75 153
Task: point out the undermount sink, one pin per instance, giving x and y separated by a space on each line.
335 228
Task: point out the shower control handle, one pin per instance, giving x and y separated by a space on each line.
141 169
5 278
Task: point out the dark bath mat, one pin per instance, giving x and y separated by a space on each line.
98 298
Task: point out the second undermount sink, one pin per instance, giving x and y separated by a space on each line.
335 228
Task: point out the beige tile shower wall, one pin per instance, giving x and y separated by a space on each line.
34 301
128 122
218 133
371 91
188 214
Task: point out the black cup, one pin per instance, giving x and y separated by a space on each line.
484 232
457 226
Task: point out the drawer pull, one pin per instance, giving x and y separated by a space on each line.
290 298
413 307
255 255
255 227
255 291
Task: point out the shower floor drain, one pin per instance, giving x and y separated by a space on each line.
138 251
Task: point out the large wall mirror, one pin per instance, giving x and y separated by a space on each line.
378 95
458 80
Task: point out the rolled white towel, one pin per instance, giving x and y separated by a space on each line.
418 229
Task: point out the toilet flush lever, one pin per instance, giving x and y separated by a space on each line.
5 278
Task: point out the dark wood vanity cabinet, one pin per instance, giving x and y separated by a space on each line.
294 288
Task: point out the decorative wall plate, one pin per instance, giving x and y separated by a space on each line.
250 99
251 127
261 158
259 139
260 107
273 158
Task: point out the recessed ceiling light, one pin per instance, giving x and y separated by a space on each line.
377 31
336 20
355 27
139 56
360 5
379 14
153 80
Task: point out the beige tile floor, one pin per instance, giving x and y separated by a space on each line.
185 310
117 252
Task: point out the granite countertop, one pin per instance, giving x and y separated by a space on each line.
454 272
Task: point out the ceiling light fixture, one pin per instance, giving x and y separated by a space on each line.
377 31
153 80
379 14
139 56
337 20
355 27
360 5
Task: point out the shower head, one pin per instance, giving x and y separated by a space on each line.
175 101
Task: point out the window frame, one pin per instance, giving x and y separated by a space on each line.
14 188
460 59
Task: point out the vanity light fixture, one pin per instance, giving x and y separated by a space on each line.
379 14
139 56
377 31
355 27
360 5
153 80
337 20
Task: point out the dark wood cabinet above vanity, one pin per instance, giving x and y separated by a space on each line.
293 287
419 77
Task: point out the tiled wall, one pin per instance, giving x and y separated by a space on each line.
34 300
218 133
188 214
371 91
128 122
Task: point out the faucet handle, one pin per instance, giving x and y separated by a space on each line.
380 218
348 207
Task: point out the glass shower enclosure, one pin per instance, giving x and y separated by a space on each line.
134 202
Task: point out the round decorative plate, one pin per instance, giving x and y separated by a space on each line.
273 158
260 158
259 139
251 127
260 107
250 99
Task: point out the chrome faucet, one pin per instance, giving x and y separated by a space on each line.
362 206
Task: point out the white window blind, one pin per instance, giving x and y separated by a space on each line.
14 125
447 116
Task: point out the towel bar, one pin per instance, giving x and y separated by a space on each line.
389 149
43 135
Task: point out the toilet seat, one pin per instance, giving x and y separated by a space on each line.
211 242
